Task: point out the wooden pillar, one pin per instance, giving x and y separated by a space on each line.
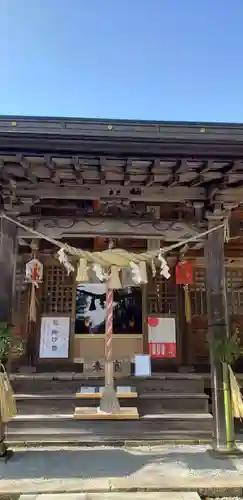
217 325
185 329
8 248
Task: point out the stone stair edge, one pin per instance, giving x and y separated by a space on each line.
148 395
167 495
80 376
160 416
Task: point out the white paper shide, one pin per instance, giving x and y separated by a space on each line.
54 337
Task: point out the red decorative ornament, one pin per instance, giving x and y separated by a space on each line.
153 321
184 273
34 271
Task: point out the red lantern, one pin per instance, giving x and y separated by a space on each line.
184 273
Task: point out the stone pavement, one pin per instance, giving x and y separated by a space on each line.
113 496
162 468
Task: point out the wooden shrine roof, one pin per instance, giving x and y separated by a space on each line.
135 130
119 161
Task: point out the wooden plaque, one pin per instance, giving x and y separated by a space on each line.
96 369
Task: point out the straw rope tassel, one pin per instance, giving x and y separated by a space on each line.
188 312
32 310
8 408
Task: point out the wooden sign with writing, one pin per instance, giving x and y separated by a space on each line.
96 369
122 368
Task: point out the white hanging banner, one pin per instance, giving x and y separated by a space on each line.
54 337
162 337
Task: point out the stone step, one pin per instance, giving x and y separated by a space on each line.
154 403
45 383
165 495
64 429
183 402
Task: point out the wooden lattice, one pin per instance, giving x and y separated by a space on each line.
234 283
234 290
162 295
20 289
57 290
198 292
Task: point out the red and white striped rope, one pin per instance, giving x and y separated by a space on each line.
109 323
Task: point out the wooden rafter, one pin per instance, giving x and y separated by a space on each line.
52 167
78 170
102 169
127 168
124 177
27 168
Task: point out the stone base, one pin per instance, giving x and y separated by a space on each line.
225 453
90 413
95 392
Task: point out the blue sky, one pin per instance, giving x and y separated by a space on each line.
135 59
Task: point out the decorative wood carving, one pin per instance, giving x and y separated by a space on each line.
65 227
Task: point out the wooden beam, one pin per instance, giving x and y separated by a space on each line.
52 167
102 170
155 164
97 226
5 178
230 195
77 169
127 169
2 168
199 179
26 166
8 194
94 192
206 167
175 177
198 210
183 166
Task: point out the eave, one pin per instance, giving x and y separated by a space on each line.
71 135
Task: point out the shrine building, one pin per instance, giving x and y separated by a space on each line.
143 185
